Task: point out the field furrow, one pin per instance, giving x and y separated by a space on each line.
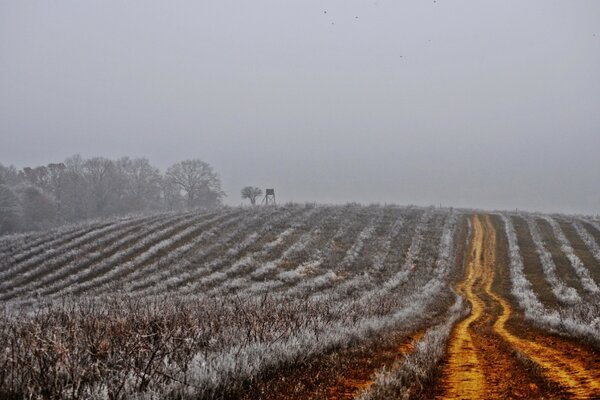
294 302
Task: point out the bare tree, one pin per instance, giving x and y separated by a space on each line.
39 209
10 210
251 193
101 175
200 183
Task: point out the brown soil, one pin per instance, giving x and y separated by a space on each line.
345 373
487 359
342 374
532 267
564 269
581 250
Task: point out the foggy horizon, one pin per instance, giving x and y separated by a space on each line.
490 106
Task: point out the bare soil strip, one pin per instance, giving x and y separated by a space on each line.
564 270
466 378
339 375
482 359
581 250
532 266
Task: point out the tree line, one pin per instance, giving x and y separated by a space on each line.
35 198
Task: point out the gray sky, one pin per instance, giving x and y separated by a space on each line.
468 103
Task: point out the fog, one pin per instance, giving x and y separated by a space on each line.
463 103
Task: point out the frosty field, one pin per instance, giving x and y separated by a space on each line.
304 301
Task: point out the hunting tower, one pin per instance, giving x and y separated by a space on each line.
269 197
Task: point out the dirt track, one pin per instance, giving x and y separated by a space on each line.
488 360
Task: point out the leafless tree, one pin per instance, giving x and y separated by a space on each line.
251 193
200 183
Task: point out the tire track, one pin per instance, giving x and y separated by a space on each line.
466 378
555 357
482 356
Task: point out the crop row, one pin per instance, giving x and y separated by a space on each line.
207 338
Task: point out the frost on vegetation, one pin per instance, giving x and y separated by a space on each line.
580 320
563 293
208 343
302 270
19 246
153 238
354 252
412 253
178 270
418 367
580 269
55 251
588 239
380 257
72 262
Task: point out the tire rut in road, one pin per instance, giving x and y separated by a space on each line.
482 360
567 364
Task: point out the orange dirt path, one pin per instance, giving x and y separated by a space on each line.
481 363
560 360
466 378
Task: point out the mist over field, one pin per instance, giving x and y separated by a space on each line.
464 103
301 199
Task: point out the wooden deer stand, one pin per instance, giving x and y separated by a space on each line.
269 197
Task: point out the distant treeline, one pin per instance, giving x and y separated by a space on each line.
42 197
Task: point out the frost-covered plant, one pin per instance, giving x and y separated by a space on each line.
587 238
561 291
204 345
153 257
580 269
65 260
419 366
126 259
87 264
579 321
162 267
412 255
22 263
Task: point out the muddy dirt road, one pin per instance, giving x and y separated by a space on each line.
487 360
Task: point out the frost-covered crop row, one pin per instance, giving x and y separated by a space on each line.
234 356
85 265
420 365
588 239
260 262
365 235
343 325
380 257
40 271
221 325
318 272
412 255
197 268
165 249
23 245
572 321
143 247
311 274
162 267
580 269
595 224
30 256
562 292
363 279
427 277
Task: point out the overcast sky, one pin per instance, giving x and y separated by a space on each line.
466 103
